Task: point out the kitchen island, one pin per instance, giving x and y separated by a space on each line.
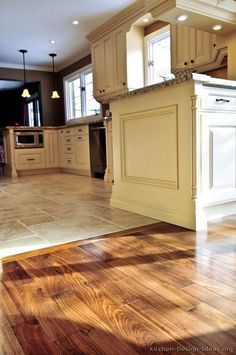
174 150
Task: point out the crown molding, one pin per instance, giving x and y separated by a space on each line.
126 16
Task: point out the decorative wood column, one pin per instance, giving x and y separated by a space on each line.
109 150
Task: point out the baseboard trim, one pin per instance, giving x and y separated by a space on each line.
174 216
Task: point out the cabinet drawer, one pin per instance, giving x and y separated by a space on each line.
217 99
80 130
68 140
81 138
69 160
30 160
68 131
69 149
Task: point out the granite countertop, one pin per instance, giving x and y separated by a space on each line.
181 75
73 124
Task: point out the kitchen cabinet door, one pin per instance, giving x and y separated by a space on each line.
120 55
191 48
61 148
108 64
82 156
97 68
179 46
51 148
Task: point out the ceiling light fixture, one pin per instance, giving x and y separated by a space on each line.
145 20
25 92
55 94
75 22
182 18
217 27
52 41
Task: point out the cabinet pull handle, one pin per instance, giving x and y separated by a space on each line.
68 148
222 100
192 61
68 160
67 131
80 130
79 137
185 63
103 90
30 159
124 84
68 140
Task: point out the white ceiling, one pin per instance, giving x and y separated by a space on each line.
31 24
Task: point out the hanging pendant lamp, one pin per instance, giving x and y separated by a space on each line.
55 94
25 93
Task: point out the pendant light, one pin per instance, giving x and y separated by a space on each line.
55 94
25 93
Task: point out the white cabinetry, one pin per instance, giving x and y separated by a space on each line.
191 48
51 148
74 149
229 5
109 63
218 135
30 159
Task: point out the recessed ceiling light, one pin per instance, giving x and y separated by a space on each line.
217 27
52 41
75 22
145 20
182 18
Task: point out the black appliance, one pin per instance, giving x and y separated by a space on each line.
97 142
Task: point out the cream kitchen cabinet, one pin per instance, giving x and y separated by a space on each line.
74 149
191 48
51 148
109 63
30 159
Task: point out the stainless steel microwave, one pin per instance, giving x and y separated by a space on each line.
29 139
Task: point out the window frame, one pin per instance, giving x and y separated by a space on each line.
151 38
80 73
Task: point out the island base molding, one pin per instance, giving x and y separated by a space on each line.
174 216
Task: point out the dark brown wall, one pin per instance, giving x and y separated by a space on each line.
53 111
50 108
66 71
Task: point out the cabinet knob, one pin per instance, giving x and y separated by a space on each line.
185 63
100 91
192 61
103 90
124 84
214 45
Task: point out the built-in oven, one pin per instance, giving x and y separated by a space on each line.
28 139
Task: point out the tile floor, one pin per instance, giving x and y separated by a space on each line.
46 210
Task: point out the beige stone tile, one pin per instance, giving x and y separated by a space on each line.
42 218
70 229
13 230
13 247
134 221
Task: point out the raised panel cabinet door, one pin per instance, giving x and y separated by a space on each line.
200 47
61 148
82 156
107 64
120 62
51 149
180 46
97 64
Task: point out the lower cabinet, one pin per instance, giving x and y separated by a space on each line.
29 159
51 148
74 149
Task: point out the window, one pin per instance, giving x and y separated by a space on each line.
158 56
79 100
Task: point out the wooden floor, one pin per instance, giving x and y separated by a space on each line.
164 290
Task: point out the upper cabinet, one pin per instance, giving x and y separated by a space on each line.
191 48
229 5
109 63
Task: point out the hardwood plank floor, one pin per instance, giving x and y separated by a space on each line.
162 289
